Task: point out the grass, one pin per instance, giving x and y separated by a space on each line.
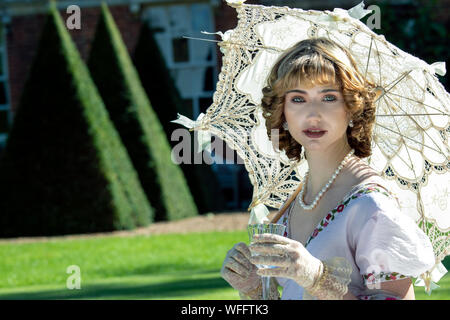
172 266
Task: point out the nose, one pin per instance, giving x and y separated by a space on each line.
314 113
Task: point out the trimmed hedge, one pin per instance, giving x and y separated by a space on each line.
137 123
64 169
166 101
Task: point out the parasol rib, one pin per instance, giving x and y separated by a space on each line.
425 131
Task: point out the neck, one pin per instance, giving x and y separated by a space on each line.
322 165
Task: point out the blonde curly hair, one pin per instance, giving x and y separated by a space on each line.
320 61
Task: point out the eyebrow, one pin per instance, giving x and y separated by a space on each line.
304 92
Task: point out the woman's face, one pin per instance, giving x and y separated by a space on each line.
321 107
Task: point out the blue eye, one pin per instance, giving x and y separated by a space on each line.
329 96
297 99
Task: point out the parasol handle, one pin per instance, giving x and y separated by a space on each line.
286 205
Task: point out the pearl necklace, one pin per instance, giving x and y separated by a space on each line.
325 188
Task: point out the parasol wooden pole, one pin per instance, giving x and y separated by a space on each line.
286 205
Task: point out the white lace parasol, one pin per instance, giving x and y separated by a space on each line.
410 138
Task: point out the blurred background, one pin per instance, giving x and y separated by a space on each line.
419 27
85 111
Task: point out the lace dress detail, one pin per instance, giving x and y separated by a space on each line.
369 197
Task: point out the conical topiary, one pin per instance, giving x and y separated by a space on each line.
64 169
137 123
166 101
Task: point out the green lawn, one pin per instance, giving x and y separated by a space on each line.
143 267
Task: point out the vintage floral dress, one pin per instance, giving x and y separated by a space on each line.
368 229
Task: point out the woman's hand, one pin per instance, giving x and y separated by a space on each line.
289 256
239 272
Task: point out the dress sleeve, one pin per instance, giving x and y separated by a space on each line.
388 244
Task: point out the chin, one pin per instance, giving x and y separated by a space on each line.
315 146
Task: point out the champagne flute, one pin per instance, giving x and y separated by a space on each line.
260 228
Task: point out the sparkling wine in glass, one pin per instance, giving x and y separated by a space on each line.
261 228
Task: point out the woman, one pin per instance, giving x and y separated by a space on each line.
345 236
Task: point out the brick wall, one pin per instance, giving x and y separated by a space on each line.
22 41
23 38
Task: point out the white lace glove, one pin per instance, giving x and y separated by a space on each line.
323 280
240 273
290 256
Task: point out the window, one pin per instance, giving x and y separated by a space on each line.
2 93
205 103
5 115
193 66
192 63
180 50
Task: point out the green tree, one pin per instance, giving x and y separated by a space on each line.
414 28
138 125
167 102
64 169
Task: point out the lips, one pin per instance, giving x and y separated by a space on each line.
314 132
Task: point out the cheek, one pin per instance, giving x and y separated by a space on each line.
287 112
341 116
291 111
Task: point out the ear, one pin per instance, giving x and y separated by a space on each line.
348 116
